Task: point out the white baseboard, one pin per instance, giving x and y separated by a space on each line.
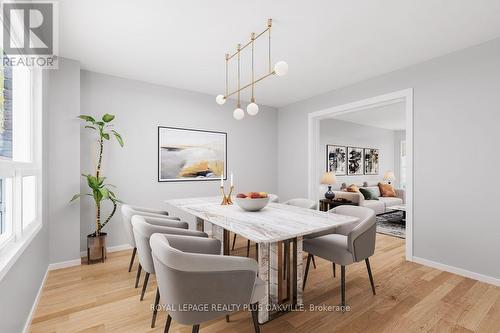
64 264
110 249
458 271
35 304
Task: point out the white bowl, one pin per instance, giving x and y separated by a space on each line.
252 205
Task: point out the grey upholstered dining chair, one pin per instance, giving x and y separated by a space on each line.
191 271
272 198
143 228
301 202
349 244
127 212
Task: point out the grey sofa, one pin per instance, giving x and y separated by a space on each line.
380 206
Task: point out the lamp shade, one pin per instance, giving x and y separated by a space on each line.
389 175
328 178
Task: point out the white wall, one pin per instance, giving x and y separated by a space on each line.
63 160
456 119
345 133
398 137
141 107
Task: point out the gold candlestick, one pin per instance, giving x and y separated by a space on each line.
226 199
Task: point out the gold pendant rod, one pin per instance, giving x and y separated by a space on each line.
248 85
269 24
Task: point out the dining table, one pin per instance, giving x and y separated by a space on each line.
276 229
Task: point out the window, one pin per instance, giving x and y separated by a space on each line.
20 157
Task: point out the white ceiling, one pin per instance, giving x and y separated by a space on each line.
390 117
327 43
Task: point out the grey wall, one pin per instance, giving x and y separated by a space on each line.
345 133
456 118
63 135
139 108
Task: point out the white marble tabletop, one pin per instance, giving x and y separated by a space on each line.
274 223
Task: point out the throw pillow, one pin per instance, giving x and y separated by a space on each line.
352 188
386 190
368 194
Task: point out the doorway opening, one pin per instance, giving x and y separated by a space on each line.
366 143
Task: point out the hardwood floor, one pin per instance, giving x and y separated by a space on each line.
410 297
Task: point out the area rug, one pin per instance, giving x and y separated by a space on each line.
391 224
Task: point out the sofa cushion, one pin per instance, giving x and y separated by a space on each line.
387 190
390 201
374 189
352 188
369 193
377 206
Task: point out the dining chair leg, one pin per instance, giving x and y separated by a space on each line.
196 328
138 276
342 285
167 324
234 241
155 309
145 285
333 265
309 256
314 262
257 251
368 268
248 248
255 317
134 251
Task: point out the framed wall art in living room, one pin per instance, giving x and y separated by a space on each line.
371 161
336 159
354 161
191 155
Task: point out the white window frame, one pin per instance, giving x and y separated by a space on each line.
14 245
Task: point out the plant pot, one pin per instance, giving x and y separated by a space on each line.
96 248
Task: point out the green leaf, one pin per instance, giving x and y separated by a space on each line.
92 127
118 137
87 118
105 135
104 192
78 195
108 117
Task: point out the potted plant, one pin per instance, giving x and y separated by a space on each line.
100 191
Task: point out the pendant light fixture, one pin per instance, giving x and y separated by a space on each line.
279 69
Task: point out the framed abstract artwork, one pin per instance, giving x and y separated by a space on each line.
371 161
354 161
336 159
191 155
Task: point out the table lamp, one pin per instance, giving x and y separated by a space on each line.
329 179
389 176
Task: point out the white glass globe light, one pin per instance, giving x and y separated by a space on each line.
220 99
238 114
281 68
252 109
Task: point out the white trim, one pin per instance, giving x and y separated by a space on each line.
78 262
117 248
65 264
111 249
458 271
14 250
314 118
35 304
